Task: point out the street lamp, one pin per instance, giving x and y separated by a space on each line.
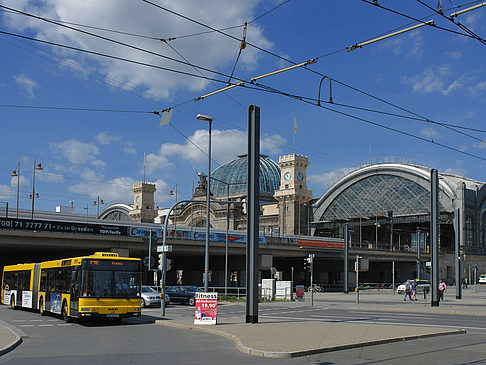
205 118
34 195
172 192
17 174
97 203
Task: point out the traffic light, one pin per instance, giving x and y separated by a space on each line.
169 265
160 262
307 263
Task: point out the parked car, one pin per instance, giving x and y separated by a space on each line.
150 296
482 279
183 294
422 285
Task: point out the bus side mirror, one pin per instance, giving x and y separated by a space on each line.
73 276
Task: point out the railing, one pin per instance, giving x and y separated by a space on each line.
239 292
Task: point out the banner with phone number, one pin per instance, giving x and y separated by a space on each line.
206 311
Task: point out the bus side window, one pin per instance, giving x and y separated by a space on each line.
43 281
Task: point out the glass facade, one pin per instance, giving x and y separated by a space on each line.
234 175
377 195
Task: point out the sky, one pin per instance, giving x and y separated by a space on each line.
80 81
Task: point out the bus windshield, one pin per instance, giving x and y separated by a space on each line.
110 281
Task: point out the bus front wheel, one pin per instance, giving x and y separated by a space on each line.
41 307
12 302
65 315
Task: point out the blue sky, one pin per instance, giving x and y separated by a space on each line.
428 72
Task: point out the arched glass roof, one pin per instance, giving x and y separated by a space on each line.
234 175
378 194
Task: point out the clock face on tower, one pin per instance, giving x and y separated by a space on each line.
287 175
300 176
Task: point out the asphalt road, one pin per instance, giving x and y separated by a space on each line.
51 341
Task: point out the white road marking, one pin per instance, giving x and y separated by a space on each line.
65 324
394 314
26 325
46 325
19 320
36 320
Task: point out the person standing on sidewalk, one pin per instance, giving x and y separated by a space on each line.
408 291
442 289
413 286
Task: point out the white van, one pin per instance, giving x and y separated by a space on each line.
482 279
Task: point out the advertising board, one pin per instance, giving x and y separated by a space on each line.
206 311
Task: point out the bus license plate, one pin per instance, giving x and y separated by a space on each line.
112 315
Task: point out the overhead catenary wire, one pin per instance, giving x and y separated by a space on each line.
282 93
451 19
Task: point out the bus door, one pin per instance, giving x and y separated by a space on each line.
35 287
75 288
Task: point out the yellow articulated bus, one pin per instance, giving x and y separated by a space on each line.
102 285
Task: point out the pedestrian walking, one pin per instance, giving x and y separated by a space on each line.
442 289
464 283
413 287
408 291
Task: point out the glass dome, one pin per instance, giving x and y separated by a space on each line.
234 175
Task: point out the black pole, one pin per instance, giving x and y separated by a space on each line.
346 259
434 205
253 208
457 253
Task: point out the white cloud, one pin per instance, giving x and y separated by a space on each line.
129 149
27 85
434 79
456 171
429 133
410 45
98 163
455 55
480 144
225 146
105 138
6 192
155 162
114 14
119 188
75 151
47 176
272 144
328 178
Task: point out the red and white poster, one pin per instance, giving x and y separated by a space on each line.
206 308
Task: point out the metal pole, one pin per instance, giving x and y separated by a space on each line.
419 264
18 188
475 277
208 212
253 210
434 195
226 248
346 259
357 279
390 213
393 277
33 190
457 253
150 252
311 255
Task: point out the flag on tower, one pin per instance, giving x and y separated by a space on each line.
295 125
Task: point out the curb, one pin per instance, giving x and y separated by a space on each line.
280 355
17 341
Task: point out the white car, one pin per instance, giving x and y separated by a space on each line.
150 296
482 279
422 285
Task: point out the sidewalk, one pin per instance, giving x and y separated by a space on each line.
9 338
280 338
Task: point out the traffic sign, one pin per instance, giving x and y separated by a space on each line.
168 248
